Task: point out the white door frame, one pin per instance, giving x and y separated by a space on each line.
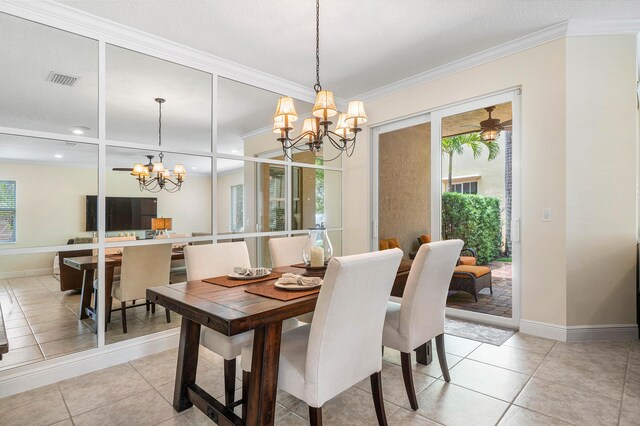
435 117
512 96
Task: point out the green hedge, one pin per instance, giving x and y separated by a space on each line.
475 219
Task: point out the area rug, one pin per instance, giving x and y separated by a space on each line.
478 332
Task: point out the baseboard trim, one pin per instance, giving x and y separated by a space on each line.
580 333
26 273
31 376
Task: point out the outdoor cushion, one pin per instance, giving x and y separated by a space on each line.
425 239
477 271
389 243
468 260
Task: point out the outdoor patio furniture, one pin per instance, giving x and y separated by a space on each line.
469 259
471 279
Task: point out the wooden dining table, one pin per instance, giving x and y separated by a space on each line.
89 265
231 311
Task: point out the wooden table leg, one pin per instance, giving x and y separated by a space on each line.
263 385
108 300
424 354
187 363
87 291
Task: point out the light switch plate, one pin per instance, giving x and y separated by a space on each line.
546 215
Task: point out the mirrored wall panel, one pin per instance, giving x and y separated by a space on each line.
49 79
136 202
136 268
316 198
43 191
135 81
245 125
251 197
41 307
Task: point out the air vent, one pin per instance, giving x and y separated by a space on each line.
65 80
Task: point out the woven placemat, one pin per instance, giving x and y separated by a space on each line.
273 292
226 281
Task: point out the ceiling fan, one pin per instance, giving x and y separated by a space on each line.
491 127
149 166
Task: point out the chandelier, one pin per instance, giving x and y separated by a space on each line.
153 177
315 130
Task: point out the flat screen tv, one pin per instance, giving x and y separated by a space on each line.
123 213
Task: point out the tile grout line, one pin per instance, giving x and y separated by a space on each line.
64 401
525 385
624 384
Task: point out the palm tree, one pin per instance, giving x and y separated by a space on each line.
455 145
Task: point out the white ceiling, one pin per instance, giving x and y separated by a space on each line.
30 51
364 44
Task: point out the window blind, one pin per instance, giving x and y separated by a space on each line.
7 211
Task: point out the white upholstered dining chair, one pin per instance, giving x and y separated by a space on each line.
142 267
214 260
420 315
341 346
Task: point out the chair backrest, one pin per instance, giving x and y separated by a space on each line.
143 267
346 331
425 294
286 251
113 250
214 260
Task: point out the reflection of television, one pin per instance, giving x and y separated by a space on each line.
122 213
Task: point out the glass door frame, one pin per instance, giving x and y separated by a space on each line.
435 118
512 96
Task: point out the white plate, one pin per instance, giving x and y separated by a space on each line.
237 276
296 286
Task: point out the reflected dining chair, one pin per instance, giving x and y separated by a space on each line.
341 346
213 260
420 315
142 267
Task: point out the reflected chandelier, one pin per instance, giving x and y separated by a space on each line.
153 177
315 130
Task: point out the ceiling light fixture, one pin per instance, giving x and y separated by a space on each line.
58 155
315 130
162 178
80 130
490 127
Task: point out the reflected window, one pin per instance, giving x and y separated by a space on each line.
52 179
237 208
316 198
7 211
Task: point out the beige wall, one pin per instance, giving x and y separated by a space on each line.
577 158
51 206
601 174
540 72
405 185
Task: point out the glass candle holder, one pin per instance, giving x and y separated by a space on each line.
318 250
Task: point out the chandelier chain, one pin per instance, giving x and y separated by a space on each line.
317 86
160 125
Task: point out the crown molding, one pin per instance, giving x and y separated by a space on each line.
571 28
75 21
537 38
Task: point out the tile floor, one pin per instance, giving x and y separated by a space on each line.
498 303
526 381
42 322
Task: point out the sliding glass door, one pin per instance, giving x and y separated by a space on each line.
454 173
